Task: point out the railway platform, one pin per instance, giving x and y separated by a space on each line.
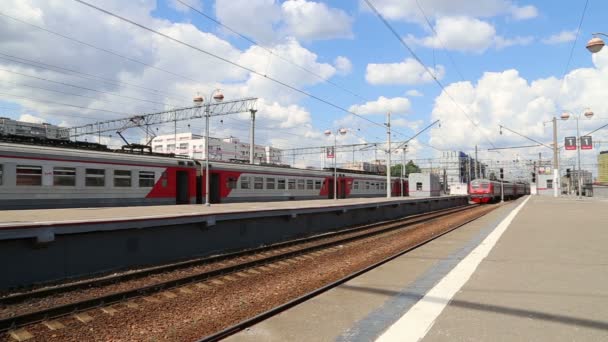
56 244
535 269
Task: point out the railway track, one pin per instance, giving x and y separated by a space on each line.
278 252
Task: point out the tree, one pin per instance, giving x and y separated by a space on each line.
410 167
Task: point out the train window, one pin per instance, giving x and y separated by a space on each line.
64 176
245 182
29 175
291 184
418 186
231 182
318 184
146 179
300 184
309 184
485 185
258 183
1 174
270 183
366 185
382 186
281 184
356 185
95 177
164 179
122 178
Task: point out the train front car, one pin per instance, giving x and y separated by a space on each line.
482 191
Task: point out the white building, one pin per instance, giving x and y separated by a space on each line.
229 149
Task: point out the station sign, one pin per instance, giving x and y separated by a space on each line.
570 143
330 152
586 142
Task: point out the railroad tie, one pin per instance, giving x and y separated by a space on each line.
83 317
185 290
169 295
217 282
203 286
53 325
132 305
109 310
20 334
151 299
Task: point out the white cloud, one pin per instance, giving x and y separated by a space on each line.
524 12
343 65
314 20
396 105
466 34
413 125
562 37
237 14
30 118
407 72
414 93
408 10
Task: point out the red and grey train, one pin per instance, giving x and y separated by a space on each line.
487 191
35 176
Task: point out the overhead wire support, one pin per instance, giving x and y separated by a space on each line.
173 115
526 137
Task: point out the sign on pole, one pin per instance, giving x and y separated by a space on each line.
586 143
570 143
330 152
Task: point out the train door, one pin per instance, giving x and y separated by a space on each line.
181 187
199 189
342 188
214 187
330 188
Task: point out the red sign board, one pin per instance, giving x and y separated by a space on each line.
570 143
330 152
586 143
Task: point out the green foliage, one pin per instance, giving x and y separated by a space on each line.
410 167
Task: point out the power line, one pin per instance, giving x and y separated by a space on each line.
331 104
65 104
578 31
271 52
428 71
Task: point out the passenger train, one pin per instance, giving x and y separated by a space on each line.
38 176
488 191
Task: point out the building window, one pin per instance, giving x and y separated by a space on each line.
549 183
281 184
245 183
146 179
258 183
183 146
122 178
158 148
300 184
318 184
64 176
29 175
95 177
418 186
291 184
231 182
270 183
170 147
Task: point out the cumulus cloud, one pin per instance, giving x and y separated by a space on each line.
523 105
414 93
464 34
30 118
407 72
524 12
314 20
396 105
561 37
343 65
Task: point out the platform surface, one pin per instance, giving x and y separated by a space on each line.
545 279
16 218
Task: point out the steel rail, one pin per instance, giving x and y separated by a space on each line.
116 297
281 308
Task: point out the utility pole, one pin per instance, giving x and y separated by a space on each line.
476 161
556 180
538 173
388 161
403 170
252 137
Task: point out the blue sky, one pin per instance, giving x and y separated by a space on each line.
504 69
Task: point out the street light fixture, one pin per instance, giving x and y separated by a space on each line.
565 116
198 101
595 44
341 131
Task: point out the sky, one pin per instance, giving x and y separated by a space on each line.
484 64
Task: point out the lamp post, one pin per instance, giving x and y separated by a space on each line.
341 131
595 44
565 116
198 100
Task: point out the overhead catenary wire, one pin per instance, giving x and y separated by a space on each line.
65 104
426 68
